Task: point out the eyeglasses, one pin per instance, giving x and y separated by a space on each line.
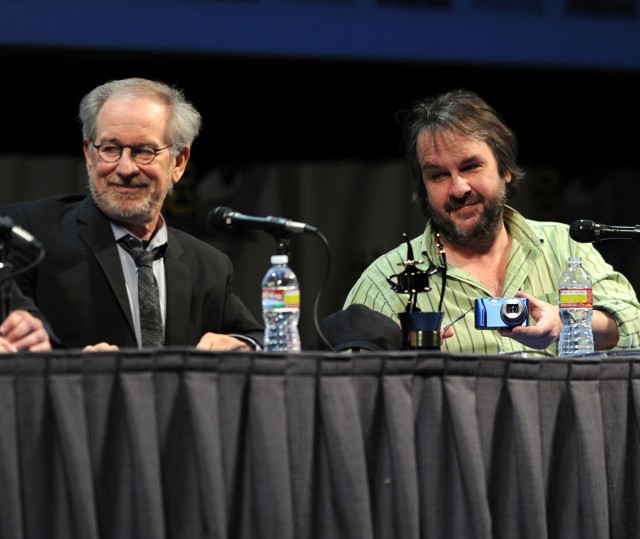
143 155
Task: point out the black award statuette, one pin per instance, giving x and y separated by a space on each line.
420 330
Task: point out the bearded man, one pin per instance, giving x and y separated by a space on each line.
462 158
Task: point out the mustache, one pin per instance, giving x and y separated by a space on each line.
455 203
129 182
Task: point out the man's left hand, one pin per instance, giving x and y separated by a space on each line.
217 341
546 329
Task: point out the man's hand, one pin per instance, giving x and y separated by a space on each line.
209 341
217 341
546 329
446 333
101 347
23 331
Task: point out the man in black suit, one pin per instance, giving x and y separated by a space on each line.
137 137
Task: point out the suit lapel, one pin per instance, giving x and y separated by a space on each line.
95 231
179 285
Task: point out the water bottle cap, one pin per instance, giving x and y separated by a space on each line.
279 259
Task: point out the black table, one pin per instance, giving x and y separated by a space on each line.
185 444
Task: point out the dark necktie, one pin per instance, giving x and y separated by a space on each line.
148 296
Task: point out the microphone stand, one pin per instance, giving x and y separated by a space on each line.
283 242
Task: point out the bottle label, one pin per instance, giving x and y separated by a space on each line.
576 298
280 298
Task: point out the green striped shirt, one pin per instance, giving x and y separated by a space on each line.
538 256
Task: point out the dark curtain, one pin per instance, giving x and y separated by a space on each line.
182 444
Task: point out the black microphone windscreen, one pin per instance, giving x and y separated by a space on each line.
218 217
6 222
582 231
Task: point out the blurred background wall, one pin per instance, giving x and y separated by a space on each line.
300 101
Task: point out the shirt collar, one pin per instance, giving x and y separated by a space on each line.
159 238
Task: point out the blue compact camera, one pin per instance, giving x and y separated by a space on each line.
500 313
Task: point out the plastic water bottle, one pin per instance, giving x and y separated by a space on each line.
281 307
576 310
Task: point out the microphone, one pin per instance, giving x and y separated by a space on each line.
15 232
226 219
585 231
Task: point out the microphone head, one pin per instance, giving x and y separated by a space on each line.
583 231
217 218
6 222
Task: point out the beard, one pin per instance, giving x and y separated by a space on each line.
119 207
484 229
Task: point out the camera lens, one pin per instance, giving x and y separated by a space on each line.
513 312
